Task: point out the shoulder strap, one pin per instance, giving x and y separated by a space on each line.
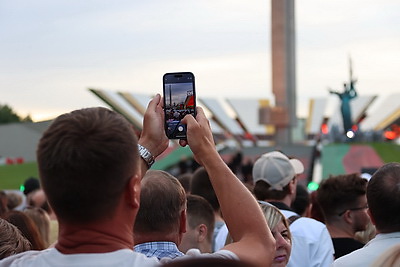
292 219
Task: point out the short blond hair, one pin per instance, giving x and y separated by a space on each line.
273 216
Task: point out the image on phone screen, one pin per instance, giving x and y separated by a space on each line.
179 100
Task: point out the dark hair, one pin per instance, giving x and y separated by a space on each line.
302 200
27 227
162 199
262 191
341 192
31 184
201 186
3 202
185 180
200 211
85 160
11 240
316 212
383 195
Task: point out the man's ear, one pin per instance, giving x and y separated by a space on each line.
133 191
371 217
347 216
292 186
182 222
201 233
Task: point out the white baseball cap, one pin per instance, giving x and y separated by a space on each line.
276 169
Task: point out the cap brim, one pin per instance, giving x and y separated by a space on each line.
297 166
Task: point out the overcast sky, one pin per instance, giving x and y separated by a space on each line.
52 51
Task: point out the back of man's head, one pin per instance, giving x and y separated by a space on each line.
301 203
339 193
199 211
85 160
162 200
272 173
200 221
201 186
383 194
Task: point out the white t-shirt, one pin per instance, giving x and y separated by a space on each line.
311 243
220 238
119 258
370 252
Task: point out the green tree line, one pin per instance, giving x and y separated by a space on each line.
8 115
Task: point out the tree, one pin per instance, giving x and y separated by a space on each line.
7 115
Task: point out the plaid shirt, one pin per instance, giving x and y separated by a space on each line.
159 249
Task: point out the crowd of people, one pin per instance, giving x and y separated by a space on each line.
177 113
98 203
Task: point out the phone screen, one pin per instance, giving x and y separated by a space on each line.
179 100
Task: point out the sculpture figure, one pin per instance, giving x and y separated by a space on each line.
345 97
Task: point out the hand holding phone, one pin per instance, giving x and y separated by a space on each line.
179 100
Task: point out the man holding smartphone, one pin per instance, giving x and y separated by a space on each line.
90 170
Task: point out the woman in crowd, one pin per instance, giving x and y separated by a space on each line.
11 240
42 221
27 227
280 230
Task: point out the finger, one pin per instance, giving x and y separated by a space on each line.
183 143
161 103
200 116
188 119
154 102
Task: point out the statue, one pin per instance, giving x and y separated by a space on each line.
345 97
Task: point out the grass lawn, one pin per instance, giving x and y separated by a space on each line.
332 155
387 151
13 176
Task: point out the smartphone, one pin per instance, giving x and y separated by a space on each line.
179 99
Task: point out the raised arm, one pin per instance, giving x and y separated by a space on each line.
153 135
253 241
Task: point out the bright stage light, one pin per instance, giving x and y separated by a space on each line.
350 134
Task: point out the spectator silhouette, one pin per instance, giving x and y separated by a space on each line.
274 176
27 227
201 186
302 204
199 225
281 232
315 208
42 221
90 170
11 240
343 202
186 181
31 184
38 199
161 221
14 200
383 196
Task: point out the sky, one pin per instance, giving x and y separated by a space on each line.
51 52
